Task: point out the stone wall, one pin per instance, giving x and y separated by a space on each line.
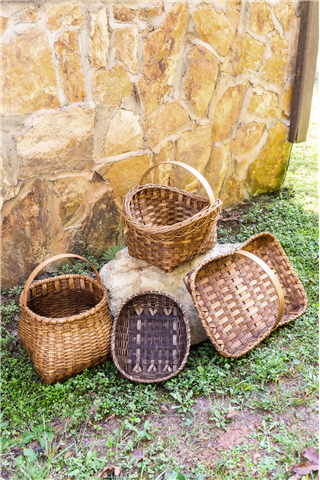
95 92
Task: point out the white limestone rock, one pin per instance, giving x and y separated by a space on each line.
127 275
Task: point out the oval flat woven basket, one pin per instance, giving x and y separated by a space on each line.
150 338
65 324
168 226
242 296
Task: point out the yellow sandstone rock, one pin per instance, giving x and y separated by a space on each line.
263 102
122 175
111 86
7 188
63 196
227 112
26 235
123 135
233 8
164 174
123 14
194 148
232 192
218 29
279 45
148 13
59 141
32 232
285 12
293 49
70 69
99 42
161 51
164 121
29 15
250 53
267 172
3 24
28 77
286 102
275 67
99 224
217 167
70 192
247 138
200 84
126 41
260 18
63 15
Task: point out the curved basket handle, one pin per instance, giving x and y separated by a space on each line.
273 278
192 170
44 264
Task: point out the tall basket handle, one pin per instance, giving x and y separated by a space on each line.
44 264
273 278
192 170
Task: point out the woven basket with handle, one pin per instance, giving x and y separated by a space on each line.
168 226
241 297
150 338
65 324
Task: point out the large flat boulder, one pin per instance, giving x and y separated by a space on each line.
126 275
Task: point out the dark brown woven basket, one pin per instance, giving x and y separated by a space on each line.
65 324
150 338
168 226
242 296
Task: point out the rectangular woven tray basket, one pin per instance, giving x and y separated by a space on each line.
237 302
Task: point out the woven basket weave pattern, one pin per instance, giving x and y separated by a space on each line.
73 295
167 226
236 300
150 339
66 326
247 301
268 248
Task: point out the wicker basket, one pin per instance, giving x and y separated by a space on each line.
150 338
168 226
65 324
242 296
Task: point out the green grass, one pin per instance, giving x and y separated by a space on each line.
302 176
277 377
289 353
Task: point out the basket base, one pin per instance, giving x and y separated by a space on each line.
169 260
63 374
65 326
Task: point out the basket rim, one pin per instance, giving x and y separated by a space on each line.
73 318
167 228
191 277
113 333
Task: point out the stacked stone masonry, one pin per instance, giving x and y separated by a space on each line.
93 93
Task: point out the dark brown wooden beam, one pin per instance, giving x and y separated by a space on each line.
305 71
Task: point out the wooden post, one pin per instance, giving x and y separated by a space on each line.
304 71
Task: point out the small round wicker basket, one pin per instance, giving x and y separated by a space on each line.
150 338
65 324
168 226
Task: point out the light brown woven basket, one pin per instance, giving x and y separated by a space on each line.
65 324
168 226
150 338
242 296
